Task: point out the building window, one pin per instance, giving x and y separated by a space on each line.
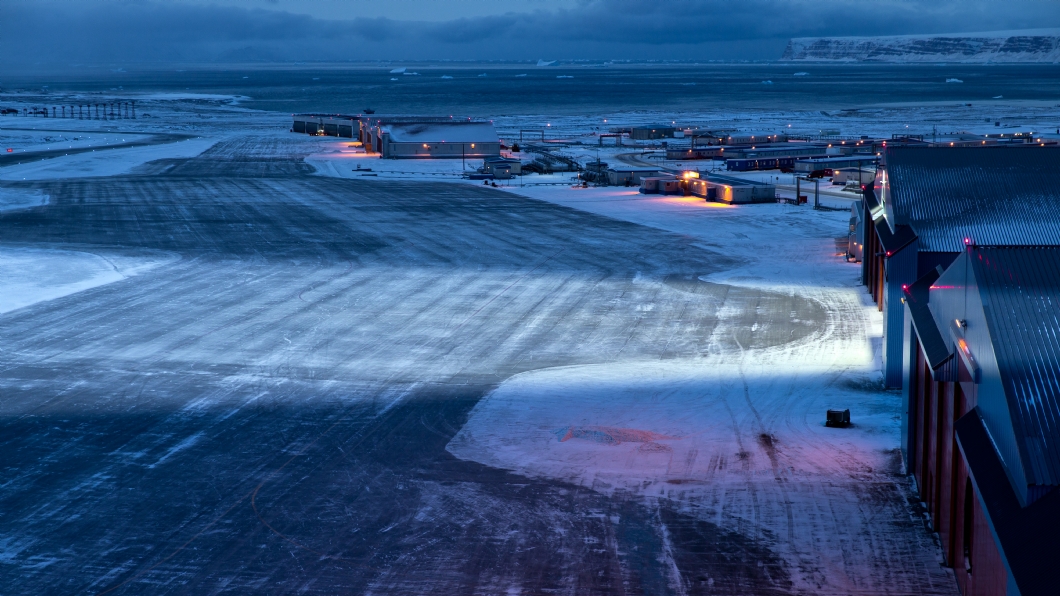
969 525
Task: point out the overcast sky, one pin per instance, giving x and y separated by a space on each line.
131 31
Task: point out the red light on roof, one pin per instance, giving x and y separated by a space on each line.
967 241
888 253
905 287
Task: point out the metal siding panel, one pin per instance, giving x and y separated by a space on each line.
956 295
1020 289
901 269
909 366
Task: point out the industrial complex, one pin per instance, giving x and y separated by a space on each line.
959 243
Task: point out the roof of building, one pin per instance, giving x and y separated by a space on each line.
866 158
774 151
734 180
992 195
754 133
895 241
335 116
442 132
624 168
1020 290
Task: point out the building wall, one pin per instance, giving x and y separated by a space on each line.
900 269
646 134
942 477
392 150
957 297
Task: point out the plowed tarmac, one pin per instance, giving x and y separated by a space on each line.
270 412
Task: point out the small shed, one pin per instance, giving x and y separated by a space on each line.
671 186
650 184
721 191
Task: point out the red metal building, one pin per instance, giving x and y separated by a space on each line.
981 431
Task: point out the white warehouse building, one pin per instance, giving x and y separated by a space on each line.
425 139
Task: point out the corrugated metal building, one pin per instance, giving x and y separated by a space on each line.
418 137
981 428
628 175
648 133
332 125
789 150
809 166
698 152
749 138
927 200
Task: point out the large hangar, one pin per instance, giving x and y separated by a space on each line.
438 138
928 203
332 125
981 431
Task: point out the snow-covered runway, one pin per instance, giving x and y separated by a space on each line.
328 385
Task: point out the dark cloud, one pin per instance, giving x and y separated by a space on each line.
152 31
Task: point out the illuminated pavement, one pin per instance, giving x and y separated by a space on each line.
273 408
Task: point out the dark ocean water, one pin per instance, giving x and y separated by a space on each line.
588 90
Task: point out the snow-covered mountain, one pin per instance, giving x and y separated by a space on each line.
1032 45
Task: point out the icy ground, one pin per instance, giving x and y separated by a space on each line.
294 378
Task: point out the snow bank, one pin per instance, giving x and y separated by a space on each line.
32 275
21 198
105 162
